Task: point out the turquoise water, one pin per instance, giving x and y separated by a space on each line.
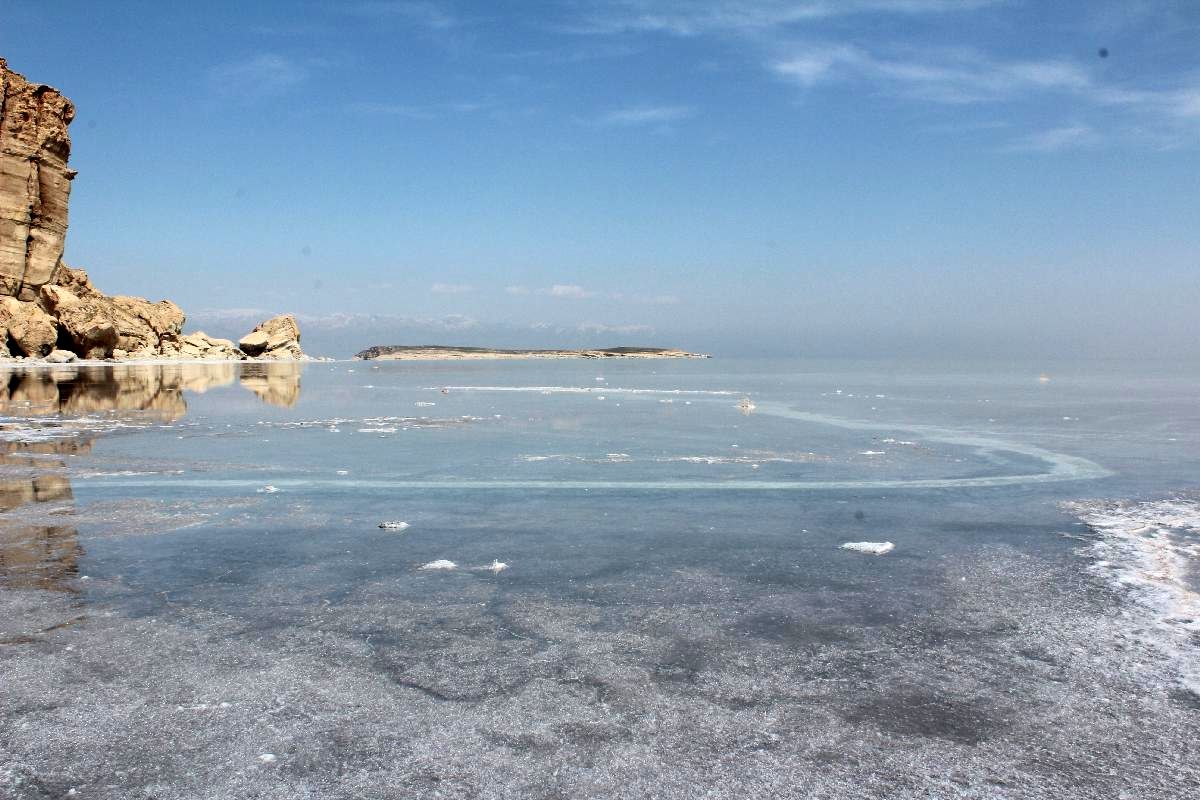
649 594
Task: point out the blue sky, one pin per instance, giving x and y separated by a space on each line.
864 177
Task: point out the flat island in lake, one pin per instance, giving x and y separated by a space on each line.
431 352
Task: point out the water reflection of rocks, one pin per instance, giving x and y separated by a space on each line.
37 556
140 388
44 413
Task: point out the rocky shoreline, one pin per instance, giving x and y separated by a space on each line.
446 353
51 312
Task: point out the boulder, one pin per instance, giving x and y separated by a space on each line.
98 325
61 357
254 343
277 338
31 331
200 345
87 323
76 281
142 325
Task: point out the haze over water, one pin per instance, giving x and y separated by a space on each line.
617 579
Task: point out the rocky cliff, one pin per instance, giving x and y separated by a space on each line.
34 182
47 309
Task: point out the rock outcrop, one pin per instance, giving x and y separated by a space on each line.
45 305
29 330
278 338
35 182
139 328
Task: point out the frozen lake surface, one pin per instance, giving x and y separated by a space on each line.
578 579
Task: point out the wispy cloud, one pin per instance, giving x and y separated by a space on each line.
950 76
257 76
626 330
913 69
221 315
964 77
341 320
452 288
1054 140
570 291
434 16
646 115
435 21
698 17
401 110
245 318
567 290
648 299
420 112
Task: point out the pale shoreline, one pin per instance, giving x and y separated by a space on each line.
442 353
25 363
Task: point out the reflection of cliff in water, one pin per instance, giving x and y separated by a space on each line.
34 487
154 392
38 556
156 389
276 382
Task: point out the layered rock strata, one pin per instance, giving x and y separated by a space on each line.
47 307
35 182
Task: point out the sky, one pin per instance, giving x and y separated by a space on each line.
862 178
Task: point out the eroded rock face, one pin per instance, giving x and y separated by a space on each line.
44 304
200 345
277 338
35 182
30 331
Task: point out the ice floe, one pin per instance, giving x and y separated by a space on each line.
871 548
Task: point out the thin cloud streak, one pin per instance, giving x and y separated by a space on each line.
258 76
961 77
958 78
1056 140
568 291
600 328
646 115
432 16
686 18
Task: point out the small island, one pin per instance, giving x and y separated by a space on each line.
433 352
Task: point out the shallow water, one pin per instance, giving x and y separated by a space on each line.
198 600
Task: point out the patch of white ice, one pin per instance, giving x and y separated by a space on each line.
1151 549
871 548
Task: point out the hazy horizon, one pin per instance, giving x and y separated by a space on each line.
864 178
